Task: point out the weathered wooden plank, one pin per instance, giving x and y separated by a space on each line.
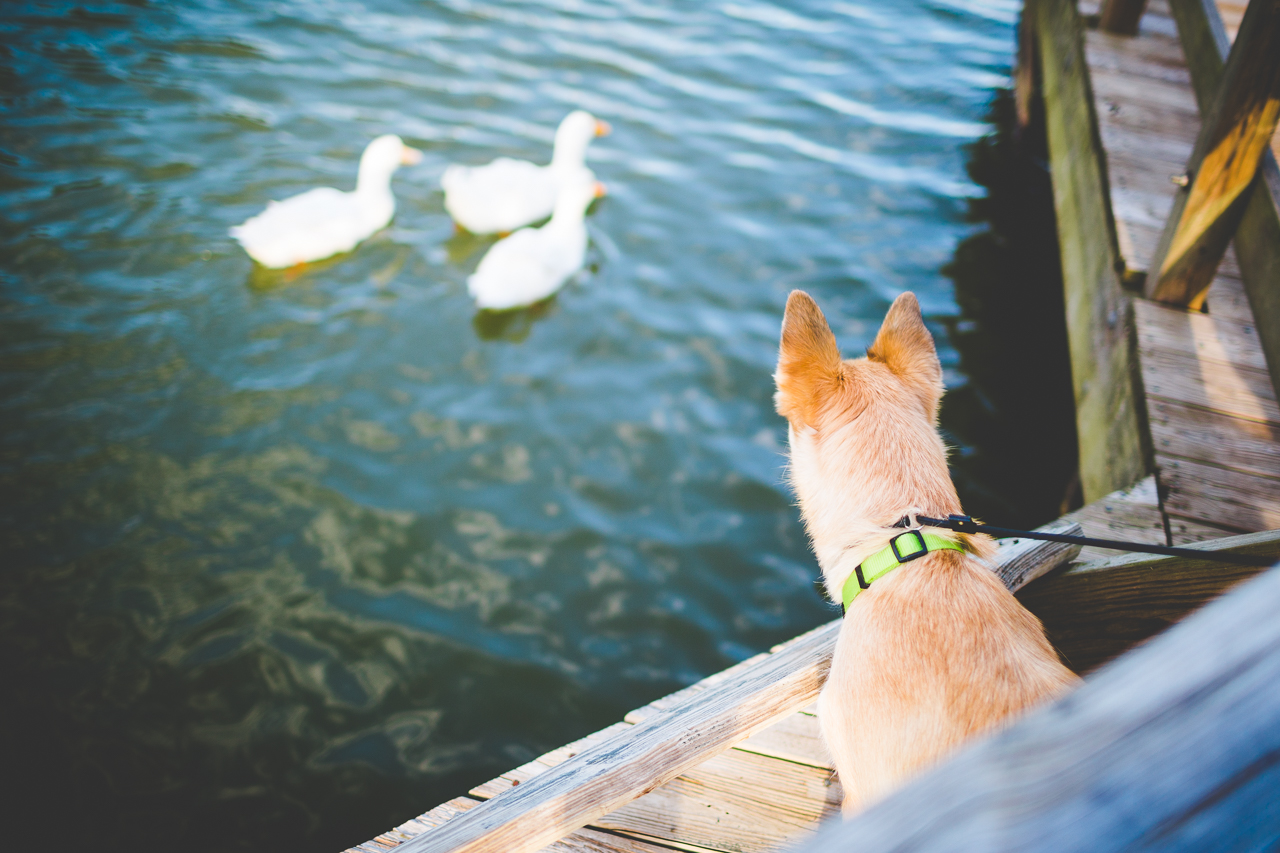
1113 444
1257 244
1099 610
1214 438
546 761
1184 531
1203 336
1227 298
666 744
1238 391
582 841
1257 238
1234 134
1020 561
1174 748
1165 98
1131 515
1121 16
653 752
1219 495
1150 58
1205 46
712 805
735 801
796 737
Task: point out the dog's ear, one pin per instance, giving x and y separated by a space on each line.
810 369
906 347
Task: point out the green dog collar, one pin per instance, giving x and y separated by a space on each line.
879 564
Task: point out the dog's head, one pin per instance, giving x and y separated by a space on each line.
865 449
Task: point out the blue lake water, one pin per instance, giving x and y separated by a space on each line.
292 556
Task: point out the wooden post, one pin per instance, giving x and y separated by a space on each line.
1235 133
1121 16
1115 449
1024 76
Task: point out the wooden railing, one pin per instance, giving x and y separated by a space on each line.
1174 747
1233 183
1235 129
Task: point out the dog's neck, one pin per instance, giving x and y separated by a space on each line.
860 540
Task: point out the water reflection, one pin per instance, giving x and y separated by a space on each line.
512 325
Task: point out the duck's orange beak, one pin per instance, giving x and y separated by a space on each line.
410 156
603 127
601 192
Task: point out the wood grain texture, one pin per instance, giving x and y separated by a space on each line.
1236 131
1257 238
1205 337
567 789
1214 438
1131 515
1183 531
1238 391
1021 561
1114 446
1099 610
796 738
1176 747
602 779
735 801
582 841
1220 496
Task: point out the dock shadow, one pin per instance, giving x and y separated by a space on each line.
1017 411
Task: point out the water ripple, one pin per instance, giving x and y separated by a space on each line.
319 548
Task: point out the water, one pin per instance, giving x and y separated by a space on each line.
291 557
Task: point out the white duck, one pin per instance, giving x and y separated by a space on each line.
325 221
509 194
533 263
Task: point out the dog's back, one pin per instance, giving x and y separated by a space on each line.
938 649
931 657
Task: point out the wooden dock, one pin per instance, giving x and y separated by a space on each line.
1179 443
1191 404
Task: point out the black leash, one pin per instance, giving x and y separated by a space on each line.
965 524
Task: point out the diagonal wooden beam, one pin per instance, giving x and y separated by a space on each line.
1224 163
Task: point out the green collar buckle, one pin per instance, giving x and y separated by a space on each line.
879 564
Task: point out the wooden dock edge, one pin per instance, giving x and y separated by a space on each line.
552 797
1173 747
573 787
1115 444
1097 611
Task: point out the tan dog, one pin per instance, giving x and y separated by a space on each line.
937 649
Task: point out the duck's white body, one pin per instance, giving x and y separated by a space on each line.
324 221
509 194
534 263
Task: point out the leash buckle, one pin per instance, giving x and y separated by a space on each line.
915 555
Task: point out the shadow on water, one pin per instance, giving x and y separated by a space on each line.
1015 417
465 248
514 324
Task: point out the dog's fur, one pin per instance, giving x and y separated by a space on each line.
938 649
